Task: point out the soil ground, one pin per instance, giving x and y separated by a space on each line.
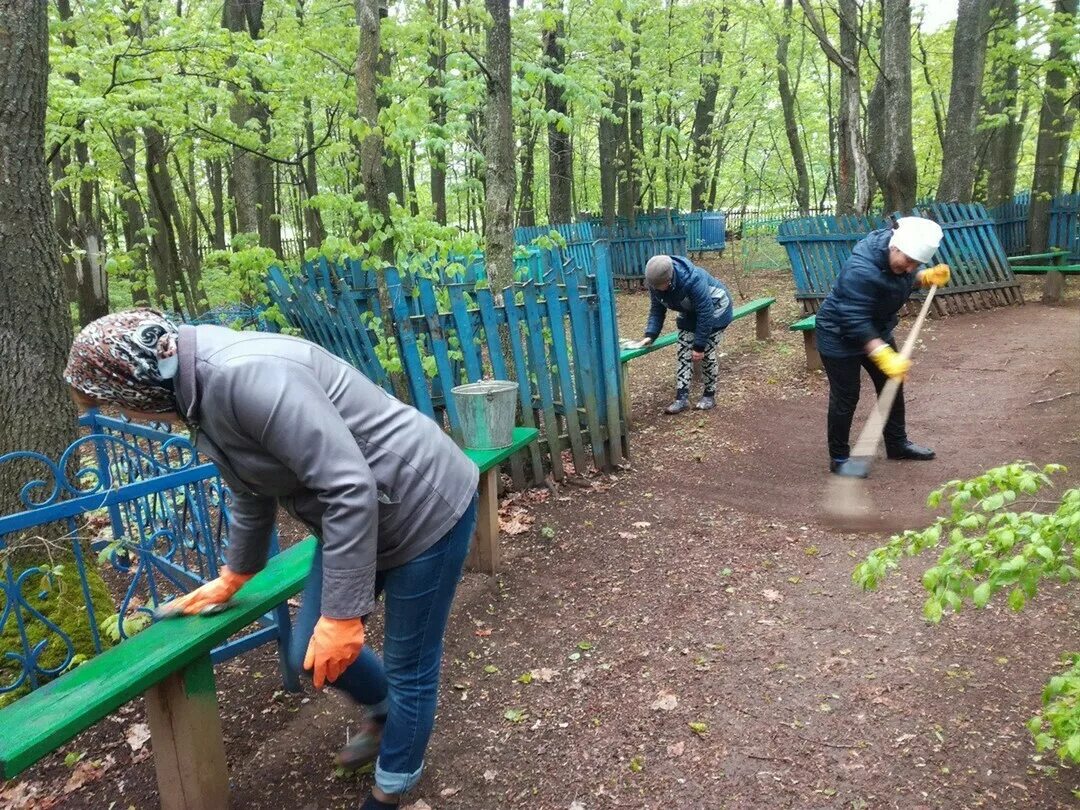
690 623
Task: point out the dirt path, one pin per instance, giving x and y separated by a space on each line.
692 633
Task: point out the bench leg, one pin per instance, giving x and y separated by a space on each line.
625 370
484 554
764 330
185 732
813 359
1053 287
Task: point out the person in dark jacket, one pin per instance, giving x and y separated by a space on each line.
390 496
704 310
855 328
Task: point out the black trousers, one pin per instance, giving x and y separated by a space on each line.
844 384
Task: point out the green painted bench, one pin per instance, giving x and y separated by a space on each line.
807 326
1052 265
168 663
484 555
758 307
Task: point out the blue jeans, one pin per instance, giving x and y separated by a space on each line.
405 683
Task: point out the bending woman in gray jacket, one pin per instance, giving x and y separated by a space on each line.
391 498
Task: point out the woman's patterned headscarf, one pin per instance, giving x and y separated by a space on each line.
126 359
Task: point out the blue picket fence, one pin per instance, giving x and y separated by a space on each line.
163 516
1011 224
817 248
553 331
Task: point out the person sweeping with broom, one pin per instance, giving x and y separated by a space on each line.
389 495
855 331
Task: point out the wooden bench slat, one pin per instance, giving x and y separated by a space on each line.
749 308
486 459
48 717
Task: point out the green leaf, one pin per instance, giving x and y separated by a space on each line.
1017 599
699 728
981 595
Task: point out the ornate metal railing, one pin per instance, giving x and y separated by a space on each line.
150 508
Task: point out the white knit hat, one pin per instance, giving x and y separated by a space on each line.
917 238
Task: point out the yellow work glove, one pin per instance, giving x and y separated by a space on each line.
936 276
334 645
215 592
892 364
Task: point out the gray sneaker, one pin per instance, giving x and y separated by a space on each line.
363 747
706 403
678 406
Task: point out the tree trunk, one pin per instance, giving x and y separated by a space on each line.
701 140
892 154
313 224
372 171
853 169
608 146
65 223
965 94
395 182
1054 127
526 215
35 322
215 179
436 84
90 276
239 16
560 156
499 148
791 123
134 223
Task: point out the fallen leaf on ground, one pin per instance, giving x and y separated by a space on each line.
666 701
772 595
419 804
483 632
642 524
489 776
137 735
676 749
86 772
517 521
544 675
446 793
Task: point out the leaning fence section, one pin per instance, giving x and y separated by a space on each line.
817 248
553 331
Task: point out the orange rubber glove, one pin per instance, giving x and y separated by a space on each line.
215 592
890 362
334 645
936 276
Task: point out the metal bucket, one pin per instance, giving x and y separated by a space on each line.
487 411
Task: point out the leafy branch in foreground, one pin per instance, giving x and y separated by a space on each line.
993 538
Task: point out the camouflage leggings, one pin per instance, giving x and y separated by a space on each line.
684 364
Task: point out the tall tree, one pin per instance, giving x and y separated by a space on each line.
1002 106
436 83
701 140
853 180
560 156
1055 125
35 322
372 171
892 152
965 95
499 147
791 121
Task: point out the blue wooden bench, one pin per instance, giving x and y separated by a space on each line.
169 663
758 307
484 555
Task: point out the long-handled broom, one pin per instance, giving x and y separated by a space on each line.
847 504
